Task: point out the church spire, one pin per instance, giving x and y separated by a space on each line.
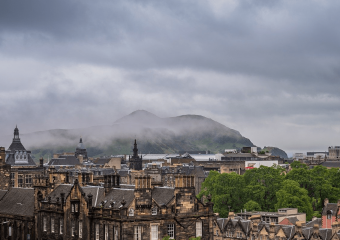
135 150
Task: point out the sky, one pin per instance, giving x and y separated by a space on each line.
269 69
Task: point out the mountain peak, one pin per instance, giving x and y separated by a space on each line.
139 117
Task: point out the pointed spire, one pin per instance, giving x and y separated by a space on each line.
135 150
81 140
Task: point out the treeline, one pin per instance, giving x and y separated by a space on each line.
271 188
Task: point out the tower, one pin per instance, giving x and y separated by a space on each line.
16 154
81 149
135 160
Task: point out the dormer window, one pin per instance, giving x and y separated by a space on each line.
329 216
154 211
131 212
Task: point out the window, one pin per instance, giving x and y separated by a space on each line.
52 225
217 233
198 229
97 231
12 179
116 235
44 224
329 216
154 211
253 237
106 230
74 207
138 232
20 180
171 231
80 229
154 232
73 228
131 212
28 179
61 226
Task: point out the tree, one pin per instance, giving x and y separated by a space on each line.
270 178
293 196
226 189
252 206
297 164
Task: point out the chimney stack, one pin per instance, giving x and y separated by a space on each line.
325 202
2 155
41 162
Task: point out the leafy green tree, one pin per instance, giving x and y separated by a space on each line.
270 178
293 196
297 164
252 206
226 190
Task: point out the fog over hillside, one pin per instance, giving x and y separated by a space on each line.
154 134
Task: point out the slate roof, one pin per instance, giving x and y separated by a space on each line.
222 222
325 234
2 193
11 160
330 164
162 195
97 193
315 221
332 207
289 230
101 161
19 202
307 231
64 160
16 145
123 173
116 195
62 188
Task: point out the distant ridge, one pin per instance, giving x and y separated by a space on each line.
154 135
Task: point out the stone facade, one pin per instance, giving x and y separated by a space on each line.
71 211
5 171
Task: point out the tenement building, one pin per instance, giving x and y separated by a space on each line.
112 211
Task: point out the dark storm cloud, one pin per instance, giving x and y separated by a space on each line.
250 64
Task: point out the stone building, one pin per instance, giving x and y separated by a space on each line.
254 229
17 214
334 152
72 211
5 171
17 155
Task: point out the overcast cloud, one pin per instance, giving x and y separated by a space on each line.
269 69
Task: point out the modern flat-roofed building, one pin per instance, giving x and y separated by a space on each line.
275 217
